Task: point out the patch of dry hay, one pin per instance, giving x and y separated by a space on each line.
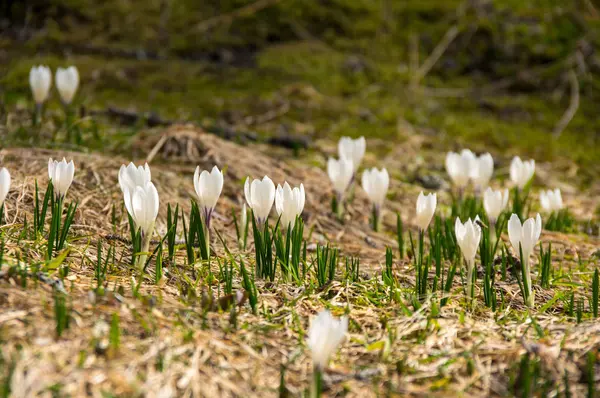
171 347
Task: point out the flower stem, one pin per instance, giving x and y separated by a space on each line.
470 284
141 260
375 218
37 115
339 206
317 383
530 299
493 237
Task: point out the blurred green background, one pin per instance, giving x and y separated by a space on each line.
489 74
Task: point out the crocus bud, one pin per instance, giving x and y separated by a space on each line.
353 150
459 167
524 238
40 80
142 203
208 187
521 172
340 173
4 184
67 81
468 236
324 336
376 183
526 235
260 196
289 203
61 174
425 208
494 202
131 176
482 171
551 200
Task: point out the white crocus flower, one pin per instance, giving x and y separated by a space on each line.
340 173
208 187
289 204
260 196
353 150
459 167
494 202
551 200
67 81
468 236
426 205
40 80
131 176
376 183
524 238
4 184
324 336
61 174
521 172
482 171
142 203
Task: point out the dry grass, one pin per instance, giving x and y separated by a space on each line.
170 345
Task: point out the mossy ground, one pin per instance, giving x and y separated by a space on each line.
343 68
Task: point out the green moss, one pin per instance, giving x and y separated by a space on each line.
340 65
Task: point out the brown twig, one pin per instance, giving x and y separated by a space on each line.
435 55
573 106
226 19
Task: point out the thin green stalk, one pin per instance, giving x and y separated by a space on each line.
595 293
141 259
400 235
172 221
375 218
317 382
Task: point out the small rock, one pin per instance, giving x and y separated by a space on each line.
429 181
